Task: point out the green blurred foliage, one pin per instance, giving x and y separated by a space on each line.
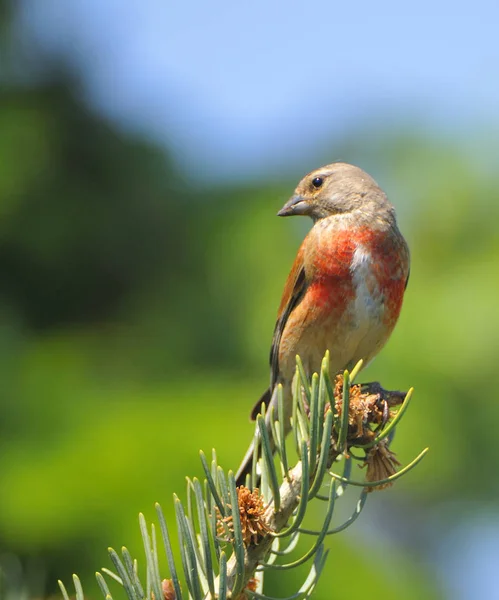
136 311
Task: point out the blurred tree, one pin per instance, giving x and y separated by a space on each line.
82 215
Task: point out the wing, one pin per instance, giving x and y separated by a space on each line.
294 290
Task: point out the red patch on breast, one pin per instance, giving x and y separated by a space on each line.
393 292
331 285
391 268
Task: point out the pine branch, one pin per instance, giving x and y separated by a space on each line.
230 536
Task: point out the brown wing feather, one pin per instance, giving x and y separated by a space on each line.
294 291
297 293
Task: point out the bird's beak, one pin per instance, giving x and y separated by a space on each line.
296 205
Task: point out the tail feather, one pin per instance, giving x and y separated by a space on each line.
257 409
246 466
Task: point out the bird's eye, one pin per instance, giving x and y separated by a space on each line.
317 182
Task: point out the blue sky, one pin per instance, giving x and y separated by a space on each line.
242 87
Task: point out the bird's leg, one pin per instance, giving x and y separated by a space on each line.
391 397
381 401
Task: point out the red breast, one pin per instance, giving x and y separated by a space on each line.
355 277
343 262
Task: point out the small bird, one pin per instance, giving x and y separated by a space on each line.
345 289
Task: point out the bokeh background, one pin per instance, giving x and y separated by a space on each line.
145 147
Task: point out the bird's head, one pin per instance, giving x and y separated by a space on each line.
334 189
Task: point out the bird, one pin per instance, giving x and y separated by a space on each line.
345 289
